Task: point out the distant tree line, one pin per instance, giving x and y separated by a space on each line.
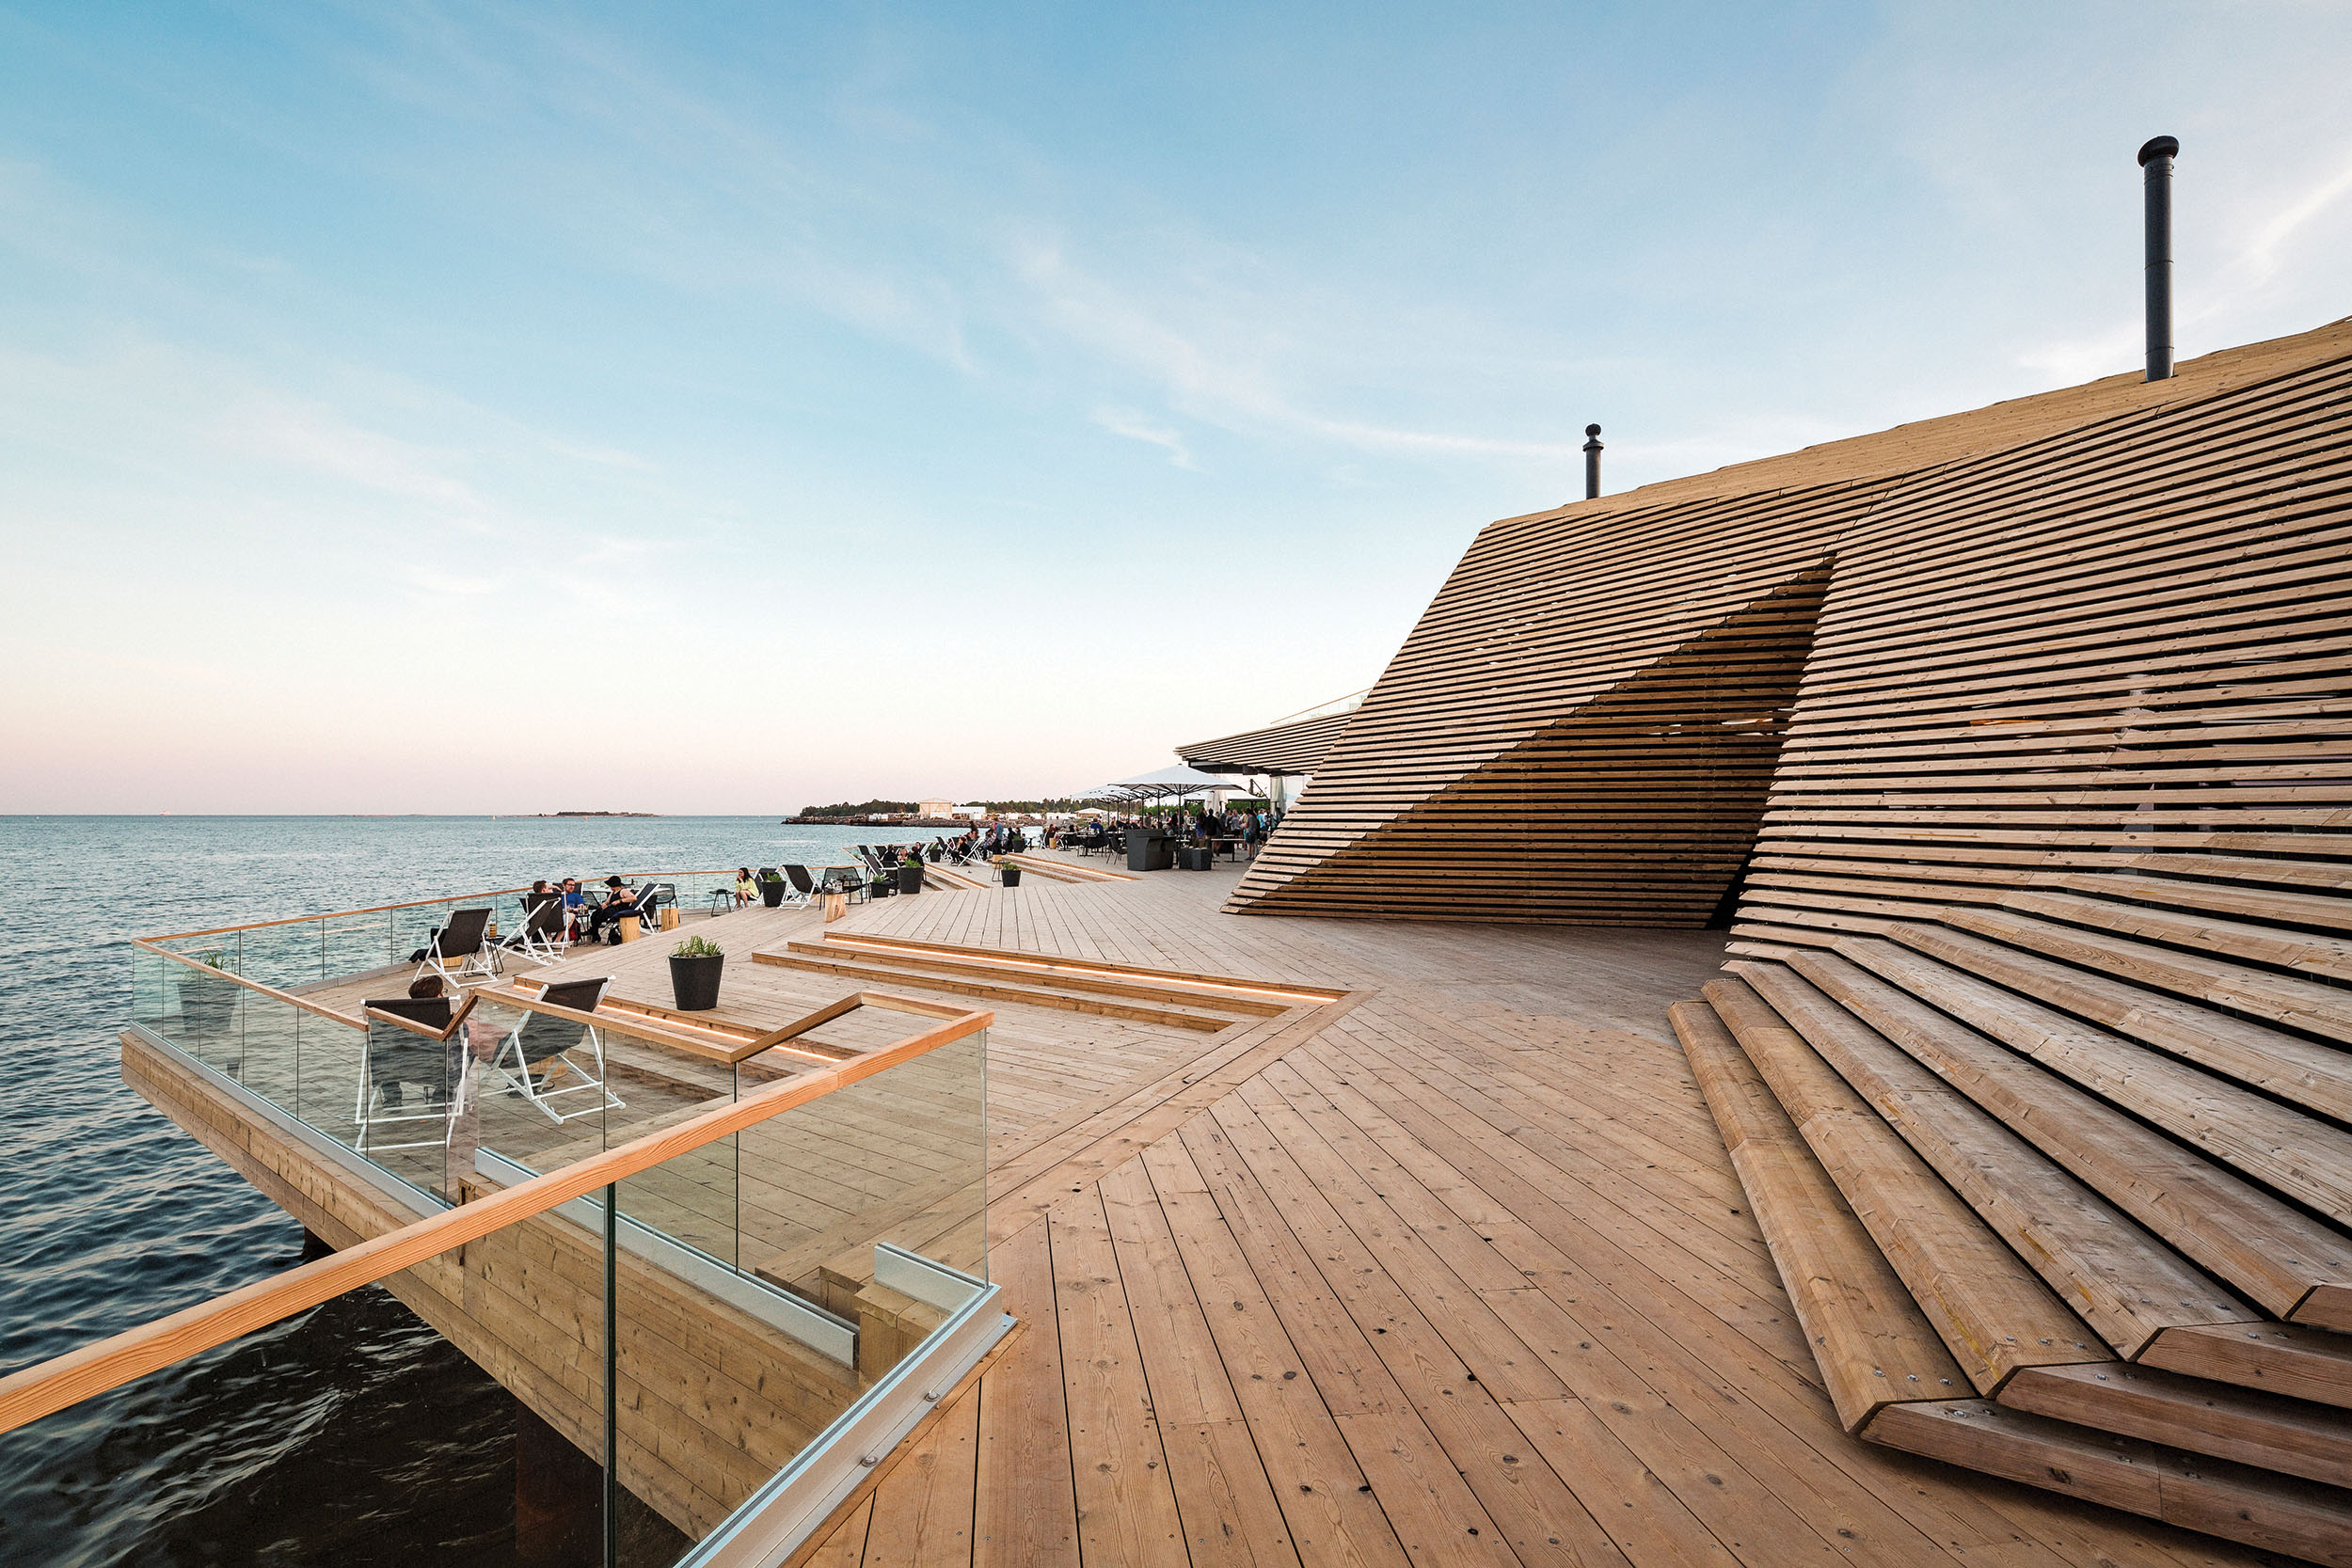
902 808
864 808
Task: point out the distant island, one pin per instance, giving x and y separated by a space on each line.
599 814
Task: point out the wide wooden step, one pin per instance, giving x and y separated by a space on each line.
2256 1466
2086 1254
883 973
2305 951
1057 869
2283 1358
2289 1264
1869 1339
2237 1502
847 947
2291 1437
2292 1153
2291 1000
2304 1072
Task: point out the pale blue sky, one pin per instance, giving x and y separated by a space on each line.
982 400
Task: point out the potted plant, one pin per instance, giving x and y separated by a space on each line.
1009 872
208 1000
695 966
880 885
911 875
770 886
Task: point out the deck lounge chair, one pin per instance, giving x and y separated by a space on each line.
407 1047
526 1060
541 939
465 943
804 887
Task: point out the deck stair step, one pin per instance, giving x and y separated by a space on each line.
2265 944
2288 1264
1037 971
1868 1337
2272 905
2286 1358
1290 993
1860 1225
1980 1200
2305 1072
2237 1502
2292 1000
2271 1432
948 878
1054 868
876 968
2306 1159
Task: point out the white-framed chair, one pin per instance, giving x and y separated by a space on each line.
462 948
526 1060
541 939
407 1044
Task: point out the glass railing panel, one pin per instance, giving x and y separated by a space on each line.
821 1246
896 1164
151 987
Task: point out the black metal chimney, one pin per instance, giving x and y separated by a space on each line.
1592 461
2156 159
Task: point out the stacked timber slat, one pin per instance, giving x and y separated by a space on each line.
2044 960
2022 742
1576 729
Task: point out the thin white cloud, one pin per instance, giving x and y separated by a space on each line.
1216 366
2260 255
1138 427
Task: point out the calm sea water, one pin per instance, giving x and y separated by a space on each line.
349 1436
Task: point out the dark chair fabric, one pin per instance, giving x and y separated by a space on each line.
461 937
543 1036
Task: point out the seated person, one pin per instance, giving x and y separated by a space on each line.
619 904
746 890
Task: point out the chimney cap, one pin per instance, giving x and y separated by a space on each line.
1592 430
2158 147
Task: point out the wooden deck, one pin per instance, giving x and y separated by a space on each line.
1454 1269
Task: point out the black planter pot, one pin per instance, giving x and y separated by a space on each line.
911 878
207 1003
771 894
1011 874
695 983
881 887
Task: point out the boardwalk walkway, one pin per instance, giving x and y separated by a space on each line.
1454 1270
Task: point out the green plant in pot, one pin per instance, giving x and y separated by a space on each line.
910 875
1009 871
770 886
695 966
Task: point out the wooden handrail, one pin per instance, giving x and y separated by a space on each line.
387 908
337 914
377 1014
271 991
79 1374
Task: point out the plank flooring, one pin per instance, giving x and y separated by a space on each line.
1454 1270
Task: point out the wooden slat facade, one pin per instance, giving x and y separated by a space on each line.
2037 1069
